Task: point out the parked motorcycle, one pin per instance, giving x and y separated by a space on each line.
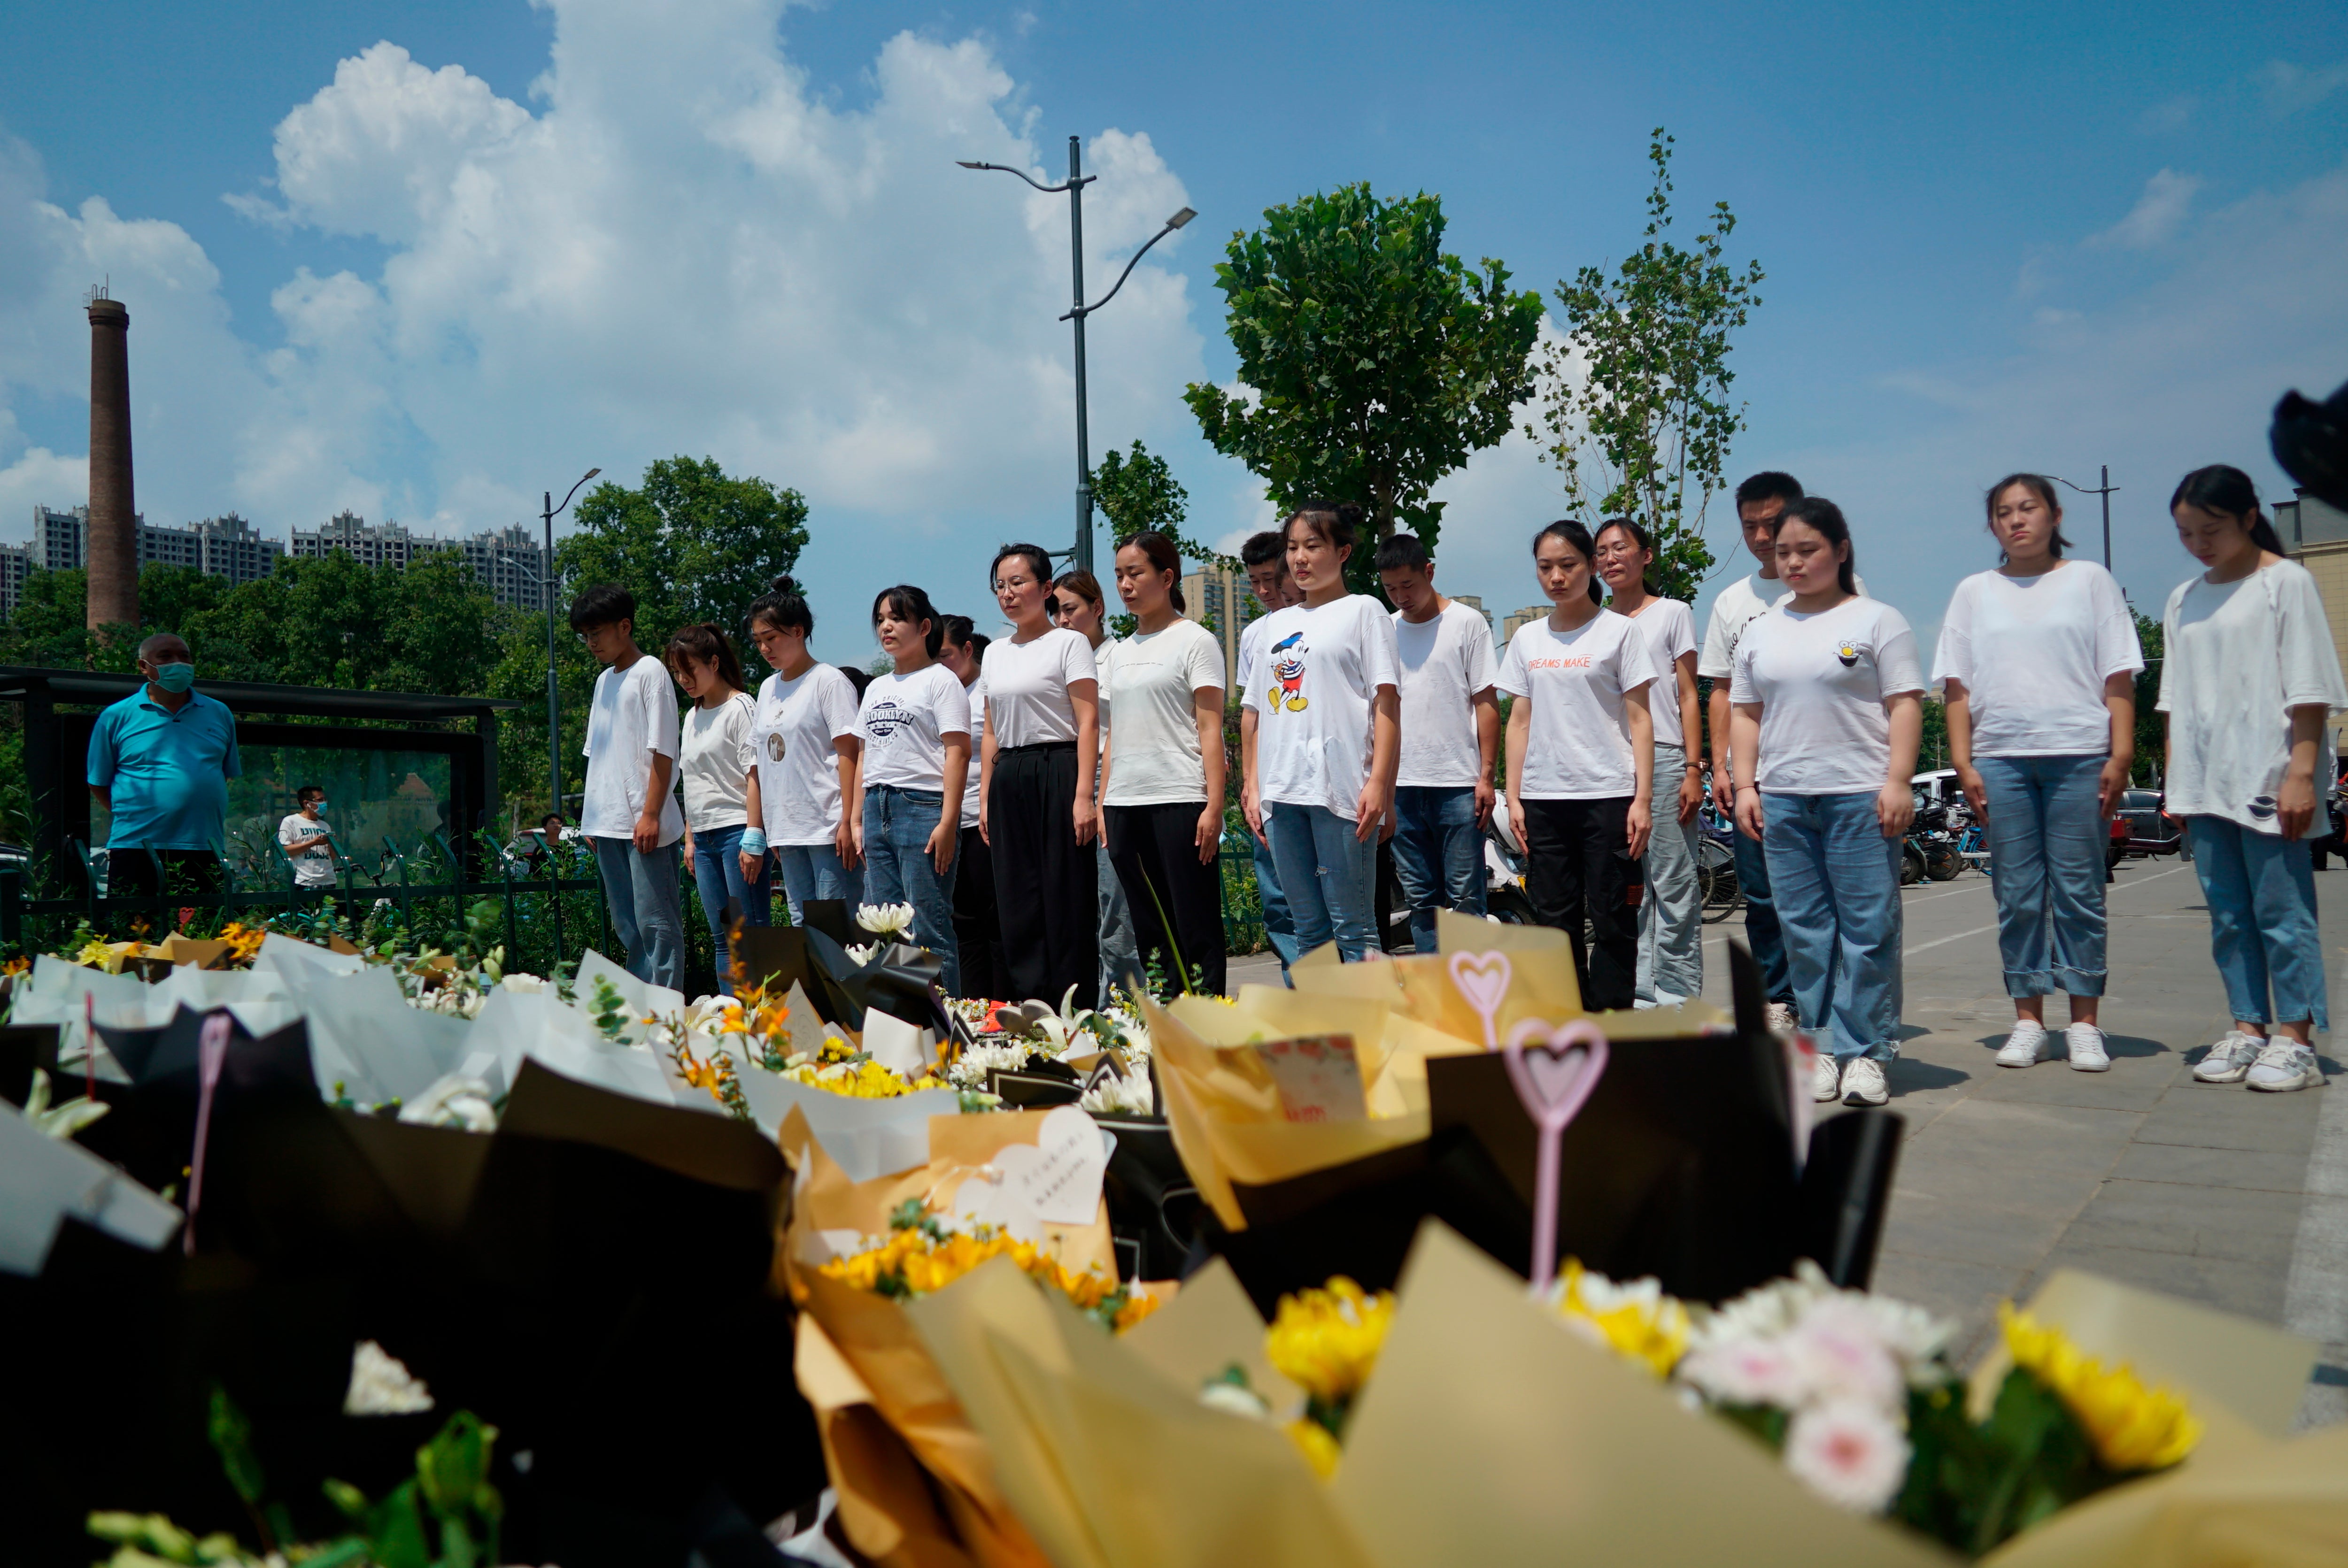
1505 898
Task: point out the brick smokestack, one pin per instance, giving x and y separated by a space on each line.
112 556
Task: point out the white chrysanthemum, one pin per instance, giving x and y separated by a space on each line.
380 1386
1750 1372
527 984
861 953
454 1102
885 920
1840 1355
1126 1096
1849 1453
969 1069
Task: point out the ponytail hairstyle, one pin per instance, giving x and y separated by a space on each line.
705 644
1038 559
1638 536
1827 517
2042 487
1577 539
1337 522
1160 551
2227 493
908 603
782 607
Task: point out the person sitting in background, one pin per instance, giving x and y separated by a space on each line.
160 762
308 844
631 814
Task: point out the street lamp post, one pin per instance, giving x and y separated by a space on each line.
1081 556
553 685
2105 492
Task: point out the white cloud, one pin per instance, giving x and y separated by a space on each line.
2291 87
687 247
2168 197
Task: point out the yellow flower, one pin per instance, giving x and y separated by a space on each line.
867 1080
912 1263
1325 1341
243 941
1637 1321
2132 1427
1320 1449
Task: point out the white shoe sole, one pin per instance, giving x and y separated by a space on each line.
2234 1076
2093 1064
2004 1060
2312 1079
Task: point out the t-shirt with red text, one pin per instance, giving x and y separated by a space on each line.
1578 747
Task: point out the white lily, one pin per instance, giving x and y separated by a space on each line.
63 1118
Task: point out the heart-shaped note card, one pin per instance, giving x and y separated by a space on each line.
1057 1178
1482 980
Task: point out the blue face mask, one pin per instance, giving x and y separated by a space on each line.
175 677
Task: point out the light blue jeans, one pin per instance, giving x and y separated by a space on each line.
1329 875
641 895
1438 852
2260 890
814 871
1279 922
898 869
717 876
1835 879
2047 838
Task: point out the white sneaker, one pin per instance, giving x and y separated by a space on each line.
1826 1079
1862 1082
2087 1052
2229 1060
1780 1018
2285 1065
2024 1047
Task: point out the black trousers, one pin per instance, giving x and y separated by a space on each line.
1577 869
1176 903
978 933
1047 886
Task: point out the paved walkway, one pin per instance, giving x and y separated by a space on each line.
2217 1195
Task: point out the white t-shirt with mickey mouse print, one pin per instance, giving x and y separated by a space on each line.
1821 680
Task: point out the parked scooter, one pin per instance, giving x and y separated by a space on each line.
1505 898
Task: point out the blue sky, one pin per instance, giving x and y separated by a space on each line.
429 281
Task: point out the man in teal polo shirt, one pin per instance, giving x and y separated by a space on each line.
159 761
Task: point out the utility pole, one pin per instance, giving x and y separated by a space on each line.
554 683
2104 488
1080 557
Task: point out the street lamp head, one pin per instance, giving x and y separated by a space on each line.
1180 217
590 474
965 163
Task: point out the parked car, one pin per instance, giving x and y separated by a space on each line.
2118 850
2150 829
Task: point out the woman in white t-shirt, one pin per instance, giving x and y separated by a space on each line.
714 770
306 841
1826 696
1671 913
2037 664
1320 736
1582 758
1038 802
1162 767
907 820
2248 677
804 745
1076 604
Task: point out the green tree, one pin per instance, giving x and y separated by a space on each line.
2151 729
689 543
1637 415
1373 363
1140 494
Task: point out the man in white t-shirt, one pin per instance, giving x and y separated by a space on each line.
306 842
1265 557
630 814
1450 732
1759 501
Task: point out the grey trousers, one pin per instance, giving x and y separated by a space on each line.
1118 949
1670 915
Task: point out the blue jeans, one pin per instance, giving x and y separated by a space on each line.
898 869
814 871
1835 879
641 895
2260 890
1438 852
1762 934
718 873
1329 877
2047 837
1279 924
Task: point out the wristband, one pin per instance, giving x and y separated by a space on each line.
754 841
